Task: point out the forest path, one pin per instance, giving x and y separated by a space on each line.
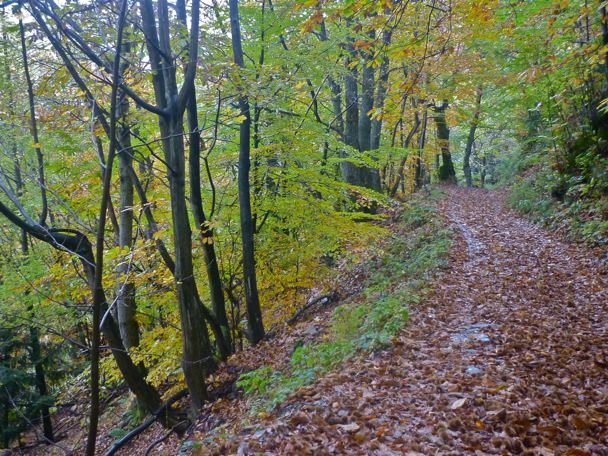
509 355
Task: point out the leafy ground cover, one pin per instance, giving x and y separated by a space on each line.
507 355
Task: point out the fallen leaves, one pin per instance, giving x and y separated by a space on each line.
506 356
458 403
350 427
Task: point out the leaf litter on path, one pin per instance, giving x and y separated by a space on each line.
526 311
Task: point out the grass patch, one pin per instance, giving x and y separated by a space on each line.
398 280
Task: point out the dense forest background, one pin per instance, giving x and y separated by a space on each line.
178 179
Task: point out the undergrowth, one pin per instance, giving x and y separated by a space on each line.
573 205
397 281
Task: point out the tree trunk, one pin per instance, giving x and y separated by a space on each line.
40 380
334 87
336 101
125 294
252 301
406 144
376 128
604 27
197 357
39 375
466 165
358 126
351 99
367 103
195 339
99 297
218 302
420 170
447 173
34 127
152 228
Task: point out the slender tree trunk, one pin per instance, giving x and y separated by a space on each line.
252 300
351 173
36 357
376 127
39 374
197 358
34 126
420 170
214 280
466 166
125 294
357 127
406 144
218 301
370 176
195 339
446 170
336 101
334 87
604 27
98 292
351 99
367 102
41 386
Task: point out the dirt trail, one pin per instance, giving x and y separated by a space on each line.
508 356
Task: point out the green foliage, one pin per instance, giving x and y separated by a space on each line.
117 433
529 196
255 382
573 205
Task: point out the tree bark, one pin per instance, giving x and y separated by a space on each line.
351 173
447 173
420 170
125 295
381 89
197 358
218 302
351 99
367 101
252 300
98 292
466 166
